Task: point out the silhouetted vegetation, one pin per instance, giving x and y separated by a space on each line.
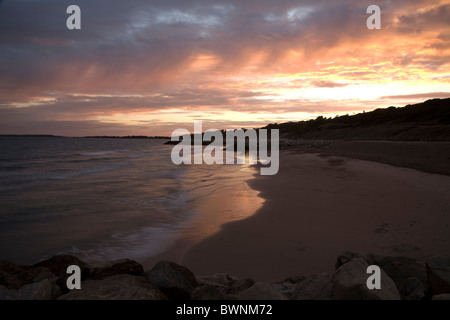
427 121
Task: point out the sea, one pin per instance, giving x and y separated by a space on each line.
102 198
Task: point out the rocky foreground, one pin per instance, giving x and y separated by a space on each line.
401 278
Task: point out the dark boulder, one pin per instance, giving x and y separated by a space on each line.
7 294
438 271
207 293
102 270
350 283
261 291
24 277
175 281
42 290
119 287
58 264
315 287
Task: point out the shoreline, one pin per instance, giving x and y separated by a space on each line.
212 212
319 206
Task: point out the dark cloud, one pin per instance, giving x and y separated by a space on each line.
149 43
423 20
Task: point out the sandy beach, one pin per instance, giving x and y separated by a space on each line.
320 205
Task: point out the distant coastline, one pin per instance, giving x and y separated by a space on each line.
31 135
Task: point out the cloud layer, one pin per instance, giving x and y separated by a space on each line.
148 67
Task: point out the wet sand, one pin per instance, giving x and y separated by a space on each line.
233 203
320 205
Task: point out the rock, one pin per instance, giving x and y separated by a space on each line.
408 274
56 291
119 287
7 294
400 269
14 276
349 283
345 257
225 283
10 267
413 289
102 270
45 275
438 271
18 280
261 291
240 285
445 296
58 264
10 281
175 281
42 290
316 287
288 286
207 293
218 279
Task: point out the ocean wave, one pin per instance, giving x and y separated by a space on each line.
133 244
84 171
90 160
100 153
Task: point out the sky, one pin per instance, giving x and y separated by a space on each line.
149 67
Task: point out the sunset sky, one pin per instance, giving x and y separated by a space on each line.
149 67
